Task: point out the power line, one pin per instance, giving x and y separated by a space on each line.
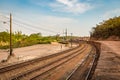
27 28
33 26
4 16
8 23
4 27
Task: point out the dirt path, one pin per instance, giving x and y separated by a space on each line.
108 67
34 51
113 45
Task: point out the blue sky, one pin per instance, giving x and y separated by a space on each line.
53 16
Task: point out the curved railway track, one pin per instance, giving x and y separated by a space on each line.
85 70
49 66
25 67
45 74
18 65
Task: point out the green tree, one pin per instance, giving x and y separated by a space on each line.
106 29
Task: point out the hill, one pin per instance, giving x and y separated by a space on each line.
107 30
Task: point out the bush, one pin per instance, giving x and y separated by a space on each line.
21 40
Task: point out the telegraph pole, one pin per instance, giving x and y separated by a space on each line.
66 42
10 34
71 39
66 34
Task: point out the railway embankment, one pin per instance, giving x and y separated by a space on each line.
108 67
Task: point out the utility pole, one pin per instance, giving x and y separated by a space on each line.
66 35
66 42
71 39
10 34
63 36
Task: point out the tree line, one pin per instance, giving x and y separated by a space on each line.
21 40
108 29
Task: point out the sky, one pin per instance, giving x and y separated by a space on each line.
51 17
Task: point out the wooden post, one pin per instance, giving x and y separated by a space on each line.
71 40
10 34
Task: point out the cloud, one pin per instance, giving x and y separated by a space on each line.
70 6
112 13
67 6
56 19
53 24
41 3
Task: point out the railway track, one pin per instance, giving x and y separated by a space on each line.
49 66
18 65
46 74
19 70
85 70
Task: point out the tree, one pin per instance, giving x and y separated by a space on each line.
106 29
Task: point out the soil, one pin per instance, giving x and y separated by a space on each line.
108 67
64 71
30 52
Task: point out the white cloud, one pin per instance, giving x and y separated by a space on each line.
69 3
50 25
70 6
54 19
110 14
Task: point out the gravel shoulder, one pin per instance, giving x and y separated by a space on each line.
108 67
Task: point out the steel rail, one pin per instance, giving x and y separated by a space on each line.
94 63
92 67
18 65
58 65
79 66
30 71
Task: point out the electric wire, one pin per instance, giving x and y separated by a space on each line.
32 26
29 27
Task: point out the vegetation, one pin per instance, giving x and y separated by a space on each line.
109 29
21 40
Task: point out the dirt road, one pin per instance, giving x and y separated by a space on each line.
34 51
108 67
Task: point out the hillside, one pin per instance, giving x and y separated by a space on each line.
107 30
